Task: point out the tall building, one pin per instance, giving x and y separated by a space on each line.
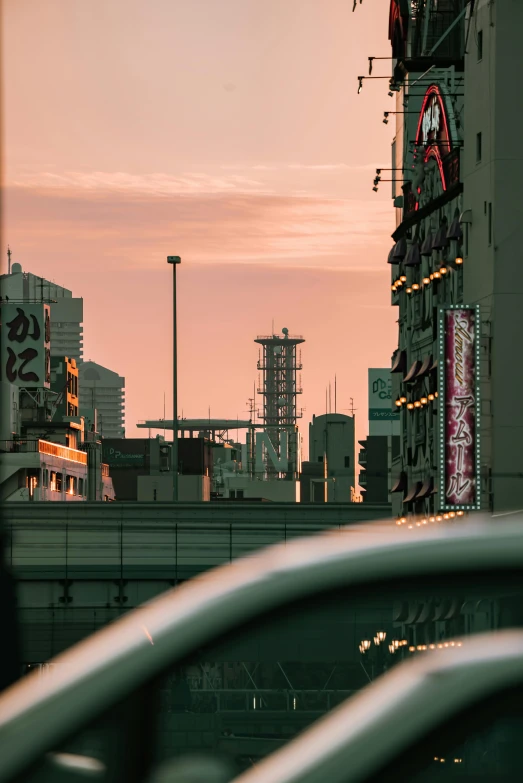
103 390
381 447
45 453
331 444
66 311
456 276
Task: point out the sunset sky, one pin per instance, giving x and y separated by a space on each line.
228 132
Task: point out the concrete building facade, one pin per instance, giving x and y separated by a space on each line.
455 273
331 443
103 390
66 311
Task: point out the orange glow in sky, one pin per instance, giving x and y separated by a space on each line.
228 132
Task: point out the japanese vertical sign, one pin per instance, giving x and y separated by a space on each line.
459 394
26 344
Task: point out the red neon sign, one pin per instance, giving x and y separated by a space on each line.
433 133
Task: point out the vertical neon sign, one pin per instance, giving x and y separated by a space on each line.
459 408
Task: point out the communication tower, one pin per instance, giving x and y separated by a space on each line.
279 386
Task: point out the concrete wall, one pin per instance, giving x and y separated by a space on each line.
493 186
276 490
333 434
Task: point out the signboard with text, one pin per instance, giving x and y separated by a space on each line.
460 408
380 396
26 344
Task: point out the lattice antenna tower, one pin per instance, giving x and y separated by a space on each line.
279 387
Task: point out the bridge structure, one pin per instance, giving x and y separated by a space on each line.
79 566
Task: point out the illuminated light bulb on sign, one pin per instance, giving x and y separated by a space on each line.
431 397
459 260
426 281
403 278
409 290
443 270
435 394
393 287
437 275
410 406
417 404
415 287
398 403
403 400
424 400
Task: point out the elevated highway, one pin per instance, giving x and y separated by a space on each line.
81 565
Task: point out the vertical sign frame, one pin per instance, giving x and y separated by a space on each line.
461 414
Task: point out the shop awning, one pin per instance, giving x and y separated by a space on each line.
413 257
455 231
400 485
400 362
425 367
426 489
426 248
391 259
414 370
434 365
434 490
440 240
400 250
412 493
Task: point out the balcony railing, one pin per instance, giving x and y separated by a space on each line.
23 446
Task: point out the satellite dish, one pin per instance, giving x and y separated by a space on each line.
285 331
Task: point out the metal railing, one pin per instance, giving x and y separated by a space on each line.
251 700
24 446
62 452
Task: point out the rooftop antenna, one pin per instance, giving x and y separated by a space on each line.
8 260
164 415
335 406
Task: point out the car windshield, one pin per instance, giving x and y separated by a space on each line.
250 691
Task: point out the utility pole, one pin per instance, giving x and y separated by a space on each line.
175 260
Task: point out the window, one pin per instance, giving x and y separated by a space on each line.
490 223
81 486
320 459
59 480
232 494
239 494
347 462
480 45
478 147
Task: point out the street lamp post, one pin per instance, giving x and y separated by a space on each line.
175 260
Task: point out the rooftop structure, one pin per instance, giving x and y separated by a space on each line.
279 386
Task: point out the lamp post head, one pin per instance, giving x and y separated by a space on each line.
174 260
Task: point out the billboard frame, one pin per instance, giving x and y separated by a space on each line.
443 448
